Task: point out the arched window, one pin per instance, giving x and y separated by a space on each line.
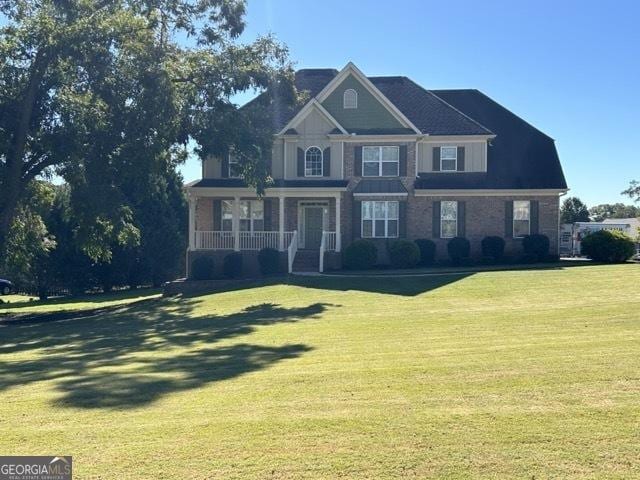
313 162
350 98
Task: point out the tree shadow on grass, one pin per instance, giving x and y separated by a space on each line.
138 354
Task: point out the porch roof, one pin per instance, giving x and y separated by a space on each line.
280 183
386 185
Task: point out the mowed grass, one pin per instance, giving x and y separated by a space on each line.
23 304
532 374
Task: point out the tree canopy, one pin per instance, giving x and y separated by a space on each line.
573 210
613 210
107 94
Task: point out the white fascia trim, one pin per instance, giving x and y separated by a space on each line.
376 138
301 115
457 138
373 90
488 193
385 194
269 192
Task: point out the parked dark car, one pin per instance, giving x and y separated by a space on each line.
5 287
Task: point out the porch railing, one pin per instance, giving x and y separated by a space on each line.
292 249
225 240
327 244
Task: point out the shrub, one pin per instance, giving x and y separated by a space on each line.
493 247
202 268
269 260
536 247
458 249
609 246
427 251
404 254
360 255
232 265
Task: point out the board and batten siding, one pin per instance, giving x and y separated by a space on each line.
313 131
475 159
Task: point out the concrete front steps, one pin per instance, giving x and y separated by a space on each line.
307 261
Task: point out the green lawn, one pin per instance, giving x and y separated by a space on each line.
531 374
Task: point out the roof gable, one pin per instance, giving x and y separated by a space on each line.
315 109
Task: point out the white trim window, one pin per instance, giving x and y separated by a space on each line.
448 219
380 219
380 161
521 218
234 167
350 98
313 162
251 215
448 159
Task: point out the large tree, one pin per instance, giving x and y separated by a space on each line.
574 210
103 93
633 191
613 210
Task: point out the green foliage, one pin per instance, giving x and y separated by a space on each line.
458 249
536 247
360 255
573 210
404 254
633 191
427 251
232 265
608 246
614 210
202 268
269 260
493 246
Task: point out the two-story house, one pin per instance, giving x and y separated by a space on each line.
382 158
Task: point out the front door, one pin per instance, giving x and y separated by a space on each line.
313 219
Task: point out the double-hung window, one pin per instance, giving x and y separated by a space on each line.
313 162
448 219
448 159
380 219
380 161
521 218
251 215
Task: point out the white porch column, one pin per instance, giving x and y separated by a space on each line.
235 223
338 230
192 222
281 223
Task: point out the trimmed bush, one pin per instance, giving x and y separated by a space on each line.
493 247
608 246
458 249
360 255
269 260
202 268
404 254
536 247
427 251
232 265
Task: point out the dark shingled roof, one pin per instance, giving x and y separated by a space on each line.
426 111
239 183
385 185
520 157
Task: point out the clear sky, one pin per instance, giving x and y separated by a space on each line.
570 68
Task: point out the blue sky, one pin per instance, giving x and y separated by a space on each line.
570 68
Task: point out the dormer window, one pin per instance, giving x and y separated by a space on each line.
234 167
350 98
449 159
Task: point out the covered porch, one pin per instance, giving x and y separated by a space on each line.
283 219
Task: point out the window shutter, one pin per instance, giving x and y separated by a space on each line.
462 219
460 161
326 162
224 169
402 219
508 219
217 215
436 159
300 162
403 161
534 215
357 223
357 159
435 222
266 207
